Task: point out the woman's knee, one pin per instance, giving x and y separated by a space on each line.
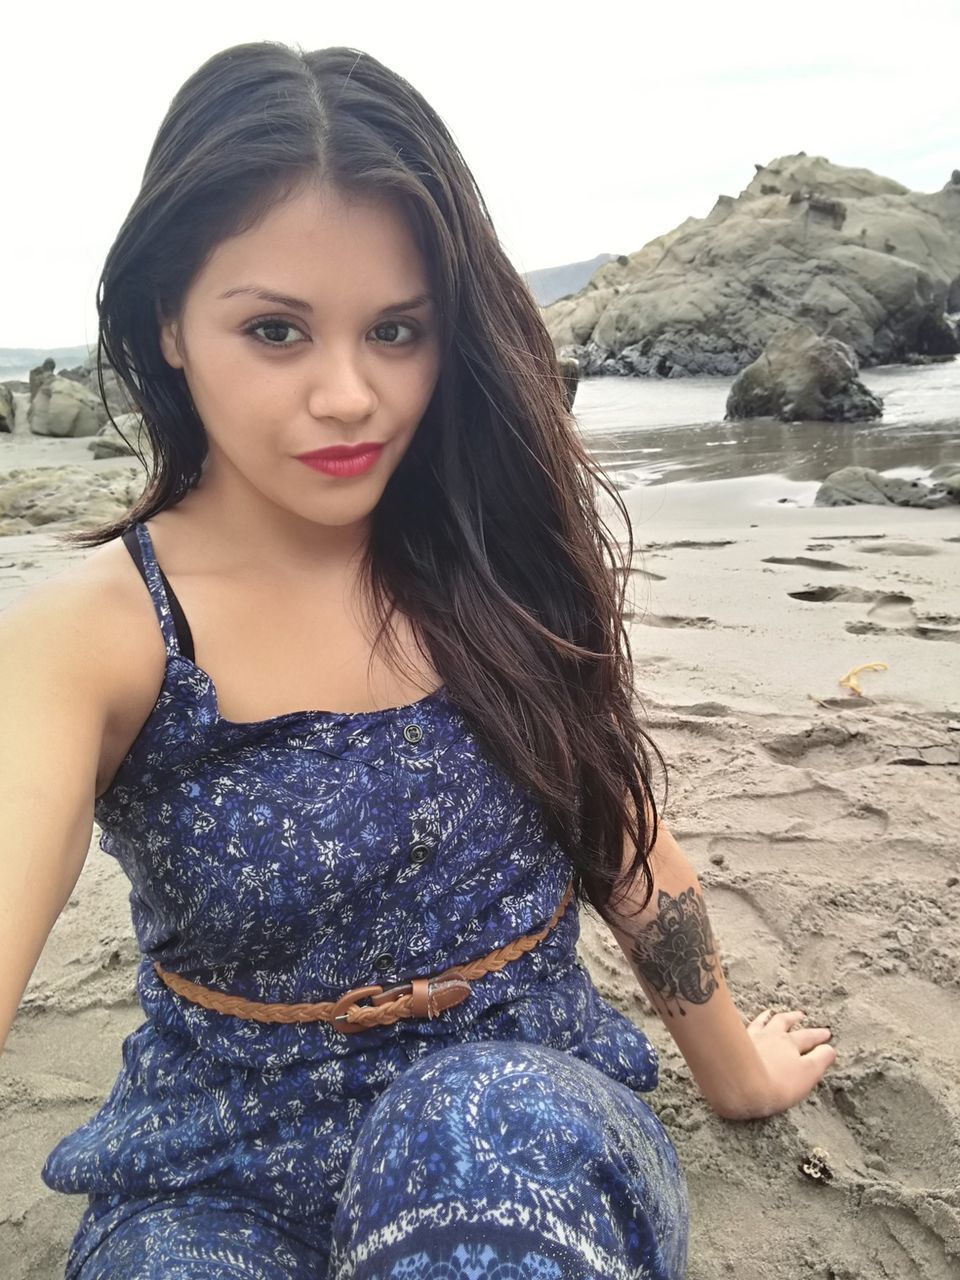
526 1107
487 1134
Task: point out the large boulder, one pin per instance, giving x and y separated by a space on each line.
851 485
844 250
62 407
803 378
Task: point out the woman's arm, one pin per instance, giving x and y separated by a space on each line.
57 665
742 1072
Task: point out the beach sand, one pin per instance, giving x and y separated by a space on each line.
825 828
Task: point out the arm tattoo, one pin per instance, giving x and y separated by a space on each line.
675 953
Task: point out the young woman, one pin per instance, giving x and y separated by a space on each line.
361 730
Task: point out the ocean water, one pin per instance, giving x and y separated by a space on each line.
646 431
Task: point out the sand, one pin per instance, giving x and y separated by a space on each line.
825 828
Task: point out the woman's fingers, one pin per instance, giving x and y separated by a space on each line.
807 1038
818 1060
787 1018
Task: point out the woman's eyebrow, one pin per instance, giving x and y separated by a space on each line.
298 304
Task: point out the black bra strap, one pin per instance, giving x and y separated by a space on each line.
184 635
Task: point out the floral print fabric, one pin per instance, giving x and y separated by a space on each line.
292 859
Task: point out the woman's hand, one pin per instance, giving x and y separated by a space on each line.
795 1058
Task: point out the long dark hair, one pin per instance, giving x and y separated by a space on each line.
488 535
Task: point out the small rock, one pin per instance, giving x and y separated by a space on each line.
717 859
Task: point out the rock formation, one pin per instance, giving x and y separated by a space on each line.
855 256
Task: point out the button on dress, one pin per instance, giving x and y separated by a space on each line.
292 859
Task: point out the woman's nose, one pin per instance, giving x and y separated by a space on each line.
340 387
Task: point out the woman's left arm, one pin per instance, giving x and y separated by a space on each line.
743 1071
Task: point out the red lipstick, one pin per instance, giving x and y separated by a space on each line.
343 459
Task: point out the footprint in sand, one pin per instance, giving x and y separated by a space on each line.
900 549
851 595
808 562
688 544
825 746
892 608
669 620
849 537
701 708
919 631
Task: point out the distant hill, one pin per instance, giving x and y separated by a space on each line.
16 362
551 283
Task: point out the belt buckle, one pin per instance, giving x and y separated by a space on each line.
338 1015
441 991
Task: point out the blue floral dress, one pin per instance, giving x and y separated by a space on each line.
292 859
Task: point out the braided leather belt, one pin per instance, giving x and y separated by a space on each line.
418 998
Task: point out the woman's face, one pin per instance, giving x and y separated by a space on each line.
345 364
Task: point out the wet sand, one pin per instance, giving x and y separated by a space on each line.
825 829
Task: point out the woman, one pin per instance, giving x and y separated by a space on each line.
369 1049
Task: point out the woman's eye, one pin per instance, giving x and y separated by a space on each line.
274 325
398 324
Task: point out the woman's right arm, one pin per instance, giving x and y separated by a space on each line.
54 701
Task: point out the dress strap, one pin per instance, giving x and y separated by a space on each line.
173 623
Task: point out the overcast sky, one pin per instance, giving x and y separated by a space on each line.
589 128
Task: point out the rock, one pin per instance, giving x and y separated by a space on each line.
570 371
109 443
803 378
947 477
844 250
60 407
41 374
850 485
117 398
8 410
72 496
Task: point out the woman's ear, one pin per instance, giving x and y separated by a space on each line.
168 334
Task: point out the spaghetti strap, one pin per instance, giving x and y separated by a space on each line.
173 623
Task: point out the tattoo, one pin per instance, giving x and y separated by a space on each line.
676 953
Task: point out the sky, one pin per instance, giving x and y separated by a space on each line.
588 130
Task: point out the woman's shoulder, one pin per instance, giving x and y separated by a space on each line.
98 614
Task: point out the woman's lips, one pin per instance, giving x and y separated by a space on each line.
347 464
